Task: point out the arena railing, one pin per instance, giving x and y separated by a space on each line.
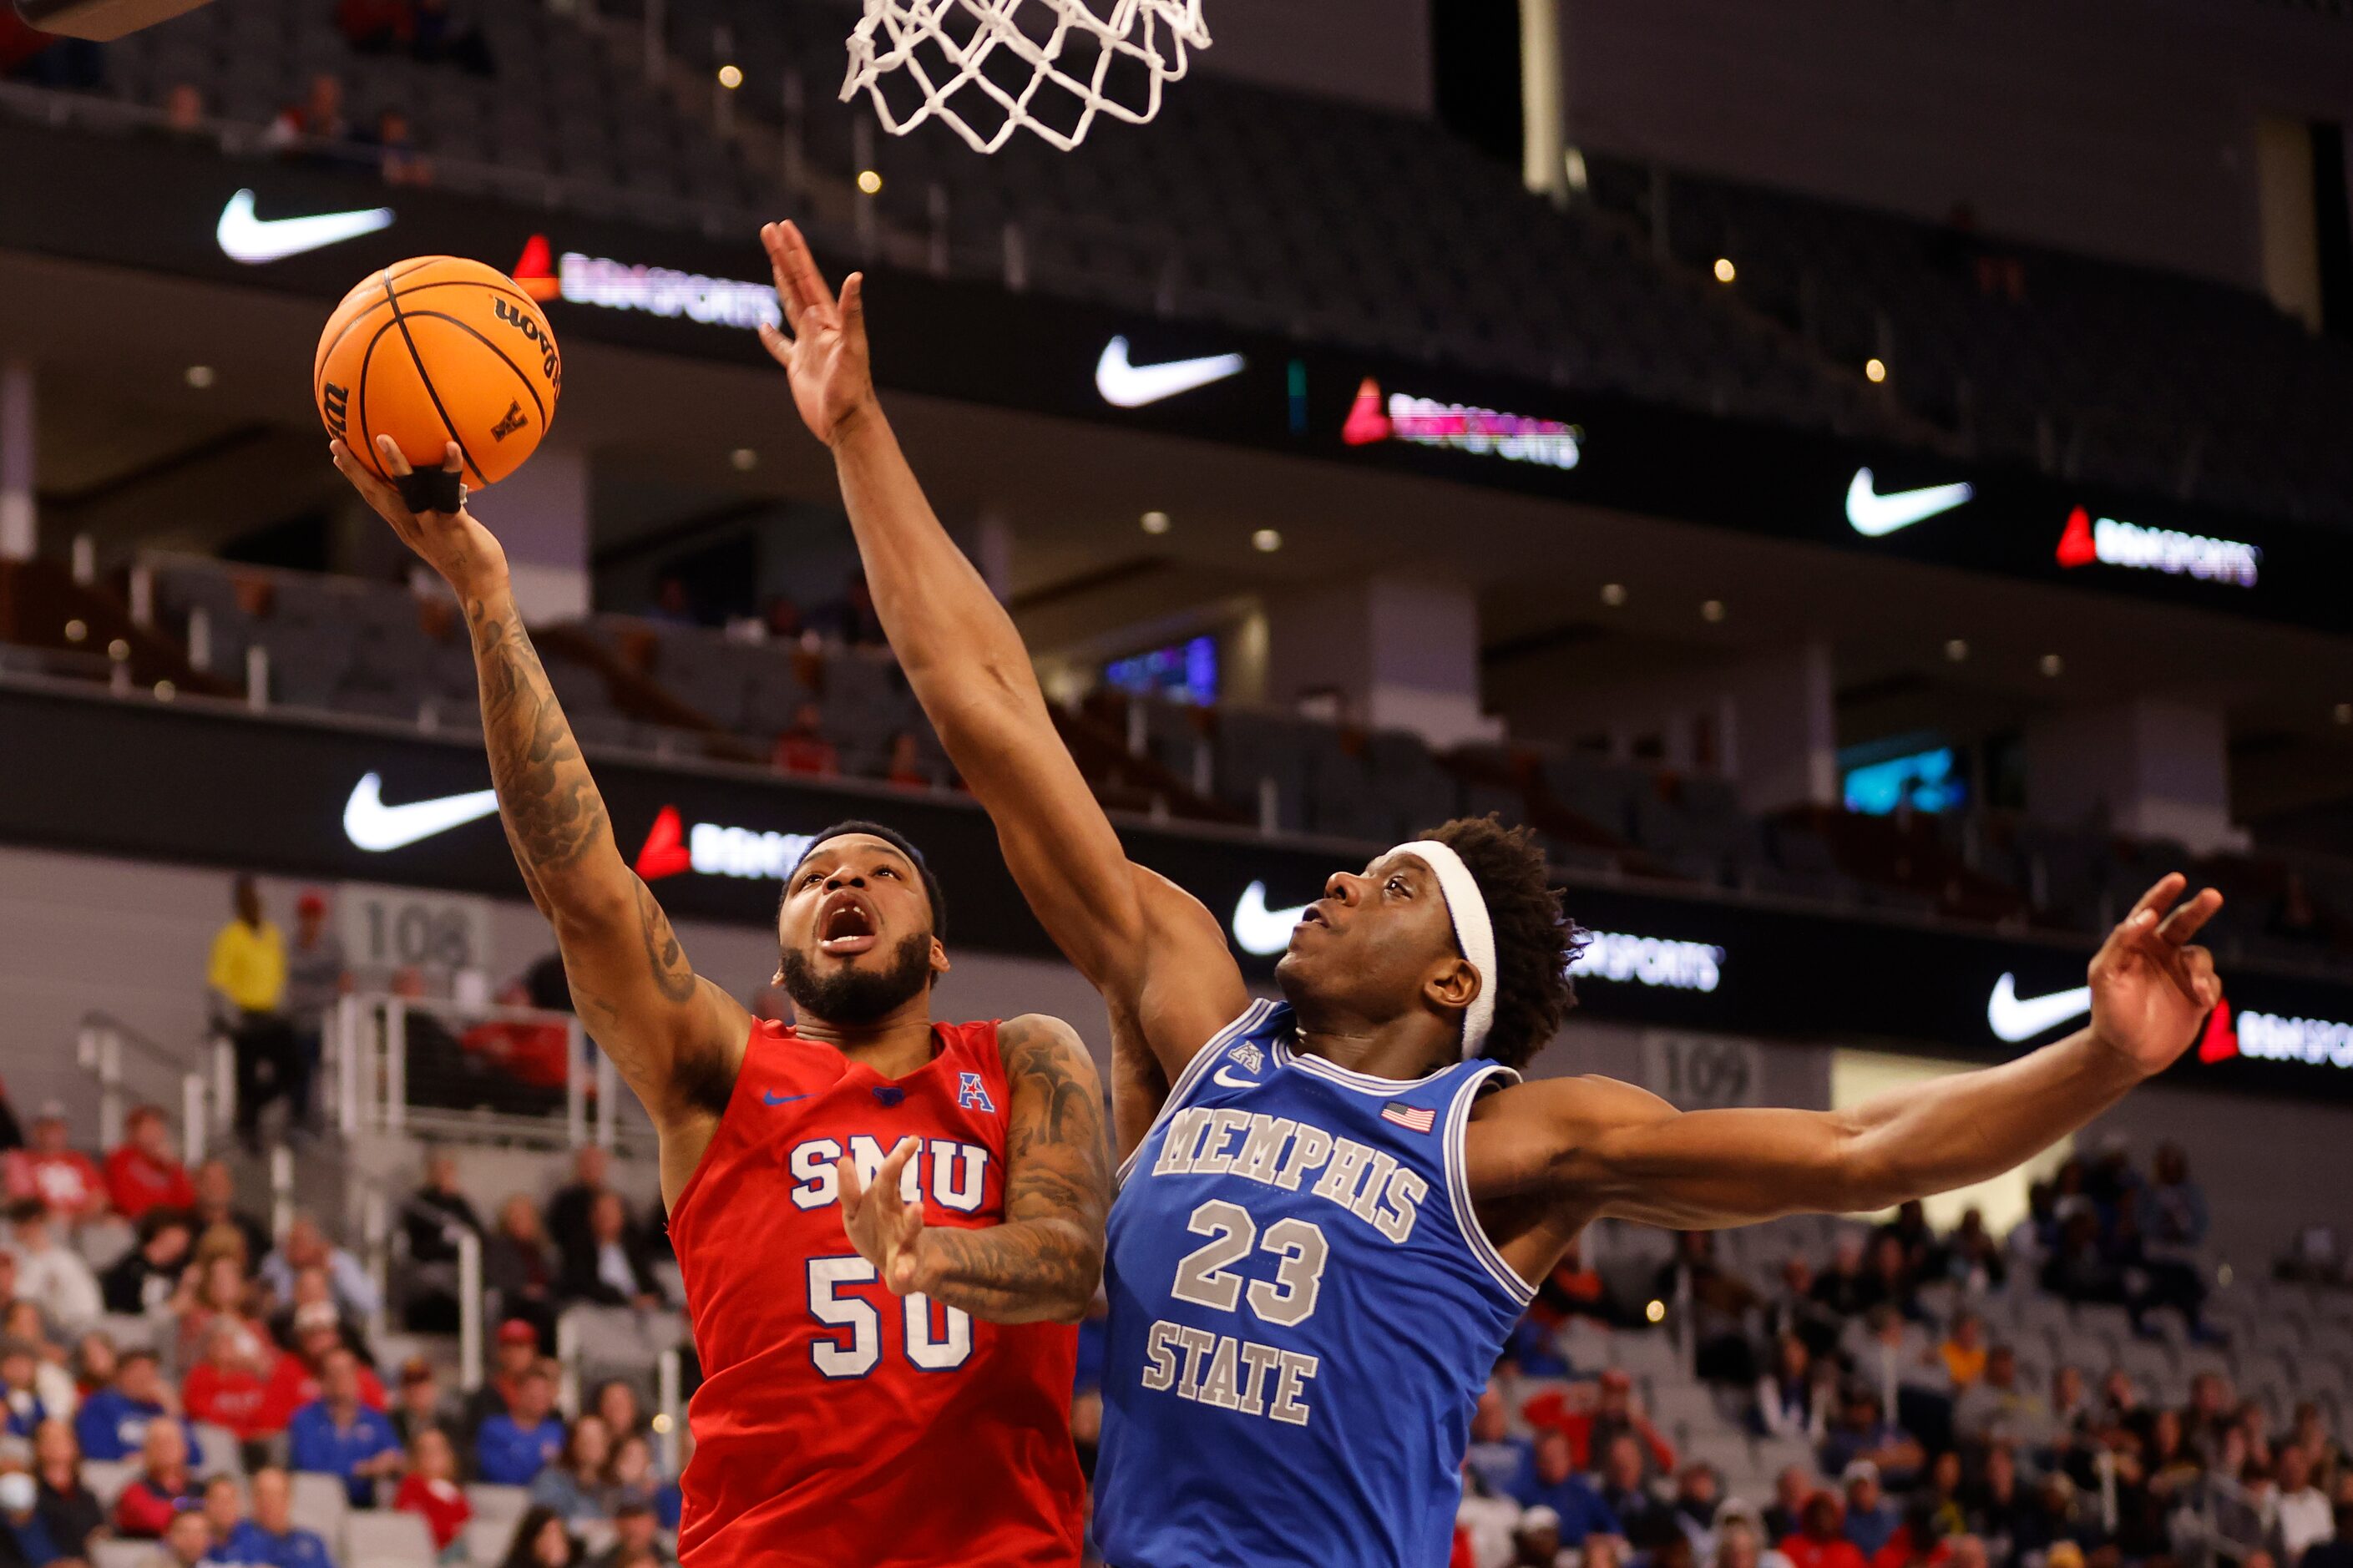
392 1070
114 1054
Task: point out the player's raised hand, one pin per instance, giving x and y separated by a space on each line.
2151 985
825 354
465 553
884 1227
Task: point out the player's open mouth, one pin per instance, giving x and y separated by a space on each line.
845 927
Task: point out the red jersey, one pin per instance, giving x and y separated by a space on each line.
838 1423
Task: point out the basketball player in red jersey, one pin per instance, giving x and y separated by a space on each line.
887 1225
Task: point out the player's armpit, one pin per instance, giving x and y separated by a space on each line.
1043 1262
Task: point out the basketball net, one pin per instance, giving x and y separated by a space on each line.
1024 56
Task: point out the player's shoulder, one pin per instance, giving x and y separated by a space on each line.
1576 1107
1040 1043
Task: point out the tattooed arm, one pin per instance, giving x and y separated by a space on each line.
1042 1262
676 1038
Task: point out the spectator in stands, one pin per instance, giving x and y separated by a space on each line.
2303 1512
2336 1551
673 603
316 976
318 118
1792 1310
1574 1290
1535 1541
632 1478
338 1434
516 1444
519 1066
272 1535
430 1489
50 1275
1623 1490
417 1405
188 1542
314 1286
2309 1431
567 1210
612 1270
803 749
1973 1260
20 1390
1842 1289
1889 1279
904 766
1963 1352
113 1422
213 1288
164 1486
145 1174
637 1538
1793 1400
397 155
516 1353
616 1400
1720 1302
73 1513
542 1540
25 1535
295 1381
1821 1539
246 974
441 38
1786 1514
229 1387
183 110
306 1247
56 1172
1699 1496
439 1211
217 1208
1615 1415
2293 917
1739 1543
223 1510
1500 1460
95 1363
1862 1432
575 1484
2171 1218
1553 1483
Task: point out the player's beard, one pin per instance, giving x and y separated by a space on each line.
854 996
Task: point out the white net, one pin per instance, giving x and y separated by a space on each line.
988 67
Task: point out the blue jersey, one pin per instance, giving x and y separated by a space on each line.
1304 1310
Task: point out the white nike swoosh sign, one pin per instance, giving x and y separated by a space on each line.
1220 1077
1262 931
1874 515
2015 1018
1125 385
376 827
253 240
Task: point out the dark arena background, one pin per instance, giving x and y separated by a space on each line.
1869 482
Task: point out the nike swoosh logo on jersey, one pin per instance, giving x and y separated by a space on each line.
255 240
1220 1077
2015 1018
770 1097
1875 516
1260 930
376 827
1125 385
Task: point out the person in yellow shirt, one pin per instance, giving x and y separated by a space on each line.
1964 1350
246 974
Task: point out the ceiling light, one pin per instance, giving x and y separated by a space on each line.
200 376
2053 664
743 459
1613 594
870 182
77 631
1155 522
1711 610
1266 541
1955 650
1724 270
731 77
166 691
2345 712
1875 369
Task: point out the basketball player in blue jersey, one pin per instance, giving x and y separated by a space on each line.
1335 1205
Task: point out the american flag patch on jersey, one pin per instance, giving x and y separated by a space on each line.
1412 1118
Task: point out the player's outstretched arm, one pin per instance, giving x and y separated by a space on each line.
670 1033
1159 959
1565 1150
1042 1264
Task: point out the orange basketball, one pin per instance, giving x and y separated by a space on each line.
434 350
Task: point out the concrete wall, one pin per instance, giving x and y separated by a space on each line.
2125 127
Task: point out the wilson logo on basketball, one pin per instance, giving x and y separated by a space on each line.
336 401
507 427
515 316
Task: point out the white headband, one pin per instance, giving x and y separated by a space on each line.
1473 932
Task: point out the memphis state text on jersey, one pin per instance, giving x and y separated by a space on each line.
1304 1310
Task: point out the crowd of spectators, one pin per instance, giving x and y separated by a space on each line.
170 1370
1926 1441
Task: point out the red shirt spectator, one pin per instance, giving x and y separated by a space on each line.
162 1487
61 1176
1820 1543
535 1054
294 1380
803 749
143 1173
227 1388
431 1486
